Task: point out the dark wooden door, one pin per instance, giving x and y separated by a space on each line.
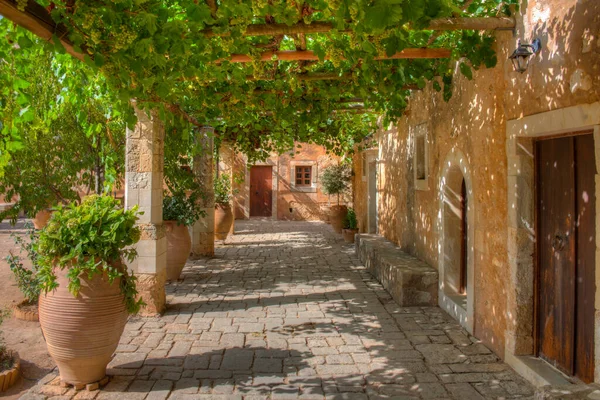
261 191
566 253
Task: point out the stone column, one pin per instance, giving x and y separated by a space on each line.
144 161
203 231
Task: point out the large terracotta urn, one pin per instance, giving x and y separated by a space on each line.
337 215
82 332
41 219
223 220
179 245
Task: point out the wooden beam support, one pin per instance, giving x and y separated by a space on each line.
440 24
37 20
292 55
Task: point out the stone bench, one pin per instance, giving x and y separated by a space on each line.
410 281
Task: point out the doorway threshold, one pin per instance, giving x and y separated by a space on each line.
537 371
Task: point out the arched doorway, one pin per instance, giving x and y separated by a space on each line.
456 235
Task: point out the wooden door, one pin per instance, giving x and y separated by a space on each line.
566 253
261 191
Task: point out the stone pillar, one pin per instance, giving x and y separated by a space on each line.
144 161
203 231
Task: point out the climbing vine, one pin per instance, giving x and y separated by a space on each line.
174 56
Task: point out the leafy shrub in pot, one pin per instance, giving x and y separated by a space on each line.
223 212
335 180
87 291
350 226
179 212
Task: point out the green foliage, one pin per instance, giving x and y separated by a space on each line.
181 208
90 239
335 179
222 188
350 221
26 278
157 52
61 127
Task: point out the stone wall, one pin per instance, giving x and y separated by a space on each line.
474 124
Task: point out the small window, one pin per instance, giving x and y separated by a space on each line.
420 157
303 175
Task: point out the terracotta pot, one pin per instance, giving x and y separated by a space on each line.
9 377
26 311
223 220
179 245
82 332
349 234
41 219
337 215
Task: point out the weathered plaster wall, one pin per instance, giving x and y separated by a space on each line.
472 122
359 191
565 73
294 204
289 203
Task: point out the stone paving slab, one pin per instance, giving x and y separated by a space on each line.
286 311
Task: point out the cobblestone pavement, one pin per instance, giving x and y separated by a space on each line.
285 310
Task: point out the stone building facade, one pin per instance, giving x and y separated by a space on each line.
456 183
292 197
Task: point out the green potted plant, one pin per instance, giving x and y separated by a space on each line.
335 180
26 277
179 212
223 211
86 289
9 363
350 226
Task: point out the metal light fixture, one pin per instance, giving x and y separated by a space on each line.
521 56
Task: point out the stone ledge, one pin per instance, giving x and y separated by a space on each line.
410 281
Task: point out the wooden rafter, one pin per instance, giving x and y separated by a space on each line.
37 20
439 24
308 55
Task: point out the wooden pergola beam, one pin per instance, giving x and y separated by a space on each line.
37 20
308 55
439 24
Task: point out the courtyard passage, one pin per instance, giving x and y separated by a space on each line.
286 310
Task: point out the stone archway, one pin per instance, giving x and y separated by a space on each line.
456 239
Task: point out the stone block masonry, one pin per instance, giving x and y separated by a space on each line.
144 164
411 282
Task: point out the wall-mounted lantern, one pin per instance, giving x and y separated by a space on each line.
521 56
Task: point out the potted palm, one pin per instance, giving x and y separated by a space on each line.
86 289
179 212
350 226
335 180
223 212
26 276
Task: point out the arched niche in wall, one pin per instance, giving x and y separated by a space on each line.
456 239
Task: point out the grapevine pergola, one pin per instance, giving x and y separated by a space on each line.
266 73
